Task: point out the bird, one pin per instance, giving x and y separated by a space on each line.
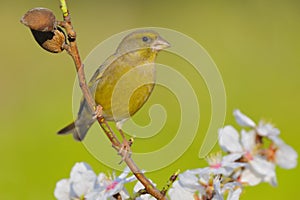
123 83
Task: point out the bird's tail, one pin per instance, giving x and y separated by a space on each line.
82 124
77 128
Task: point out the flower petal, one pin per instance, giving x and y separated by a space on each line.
242 119
125 172
230 158
188 180
250 177
262 166
83 179
62 190
267 129
235 194
217 189
229 139
272 180
248 140
286 156
234 189
85 185
102 180
80 168
276 140
177 192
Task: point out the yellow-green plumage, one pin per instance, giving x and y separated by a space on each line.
123 83
144 72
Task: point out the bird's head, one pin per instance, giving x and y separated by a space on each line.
143 39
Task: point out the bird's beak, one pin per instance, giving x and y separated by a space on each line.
160 44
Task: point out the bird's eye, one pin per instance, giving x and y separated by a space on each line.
145 39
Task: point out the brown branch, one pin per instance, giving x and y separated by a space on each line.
72 49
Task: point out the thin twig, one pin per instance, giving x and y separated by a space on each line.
72 49
170 182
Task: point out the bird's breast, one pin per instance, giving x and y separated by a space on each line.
124 87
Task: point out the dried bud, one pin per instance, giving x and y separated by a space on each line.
39 19
51 41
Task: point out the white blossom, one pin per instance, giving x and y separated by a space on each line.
84 183
202 184
110 186
222 165
262 129
285 156
82 179
245 146
267 129
248 162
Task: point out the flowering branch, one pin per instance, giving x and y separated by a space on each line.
249 161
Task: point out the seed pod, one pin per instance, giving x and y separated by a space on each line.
51 41
39 19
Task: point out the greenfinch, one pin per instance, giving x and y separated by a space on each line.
123 83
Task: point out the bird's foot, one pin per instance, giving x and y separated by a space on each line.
125 149
98 112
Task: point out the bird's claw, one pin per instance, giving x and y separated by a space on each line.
125 149
98 112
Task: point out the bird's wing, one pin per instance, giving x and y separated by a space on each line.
98 74
83 110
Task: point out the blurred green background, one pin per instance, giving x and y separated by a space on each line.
255 44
